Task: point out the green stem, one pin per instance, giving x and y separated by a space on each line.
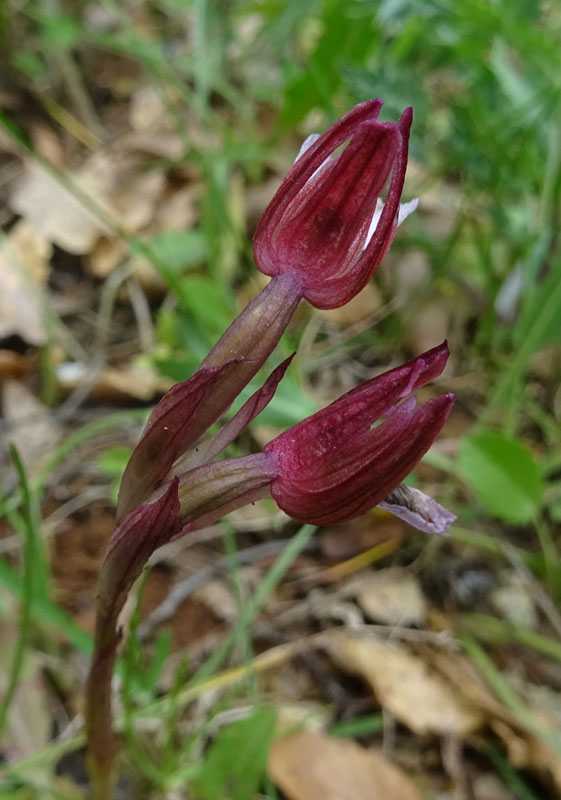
31 542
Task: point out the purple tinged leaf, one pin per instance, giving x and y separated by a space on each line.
238 501
149 525
232 429
214 486
190 408
140 532
176 422
206 492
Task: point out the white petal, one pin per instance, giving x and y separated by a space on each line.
307 143
405 209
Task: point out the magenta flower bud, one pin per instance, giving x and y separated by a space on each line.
318 226
334 465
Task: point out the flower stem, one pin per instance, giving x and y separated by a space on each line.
102 743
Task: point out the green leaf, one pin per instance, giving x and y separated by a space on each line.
237 759
112 463
503 474
208 302
30 64
61 32
47 613
176 251
289 405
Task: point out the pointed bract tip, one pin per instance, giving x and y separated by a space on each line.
440 351
406 120
374 106
438 354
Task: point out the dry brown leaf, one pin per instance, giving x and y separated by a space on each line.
525 749
298 714
24 259
393 597
488 786
403 683
48 143
545 760
218 598
133 194
159 143
14 365
55 213
177 211
30 251
344 542
113 181
32 427
462 674
147 111
312 766
544 704
105 256
141 383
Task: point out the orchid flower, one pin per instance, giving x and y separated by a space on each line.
321 238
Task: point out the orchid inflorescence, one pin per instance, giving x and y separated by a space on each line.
321 238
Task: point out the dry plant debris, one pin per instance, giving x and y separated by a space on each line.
313 766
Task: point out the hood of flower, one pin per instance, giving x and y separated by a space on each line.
319 224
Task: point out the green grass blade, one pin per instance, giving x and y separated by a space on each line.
31 548
508 696
46 613
273 577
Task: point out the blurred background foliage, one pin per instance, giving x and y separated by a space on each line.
220 95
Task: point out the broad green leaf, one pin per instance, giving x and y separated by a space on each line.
237 759
503 474
175 251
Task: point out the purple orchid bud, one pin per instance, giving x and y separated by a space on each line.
321 238
334 465
318 227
